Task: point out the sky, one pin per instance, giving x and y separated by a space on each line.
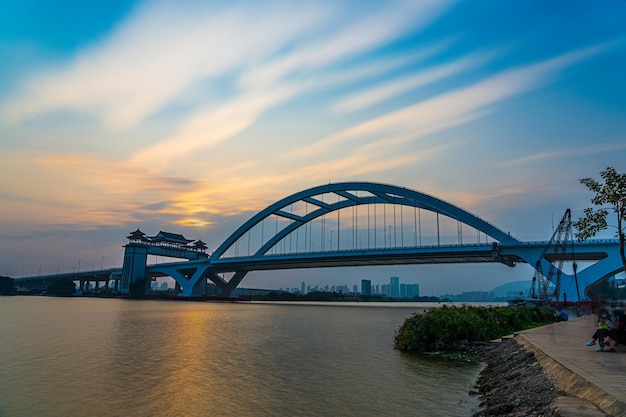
192 116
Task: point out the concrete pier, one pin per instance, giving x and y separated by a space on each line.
595 380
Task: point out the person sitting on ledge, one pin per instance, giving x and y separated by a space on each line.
562 316
602 332
617 334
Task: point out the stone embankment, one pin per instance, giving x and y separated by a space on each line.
514 383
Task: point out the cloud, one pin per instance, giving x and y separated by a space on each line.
250 58
160 51
406 84
363 164
211 127
556 154
447 109
79 189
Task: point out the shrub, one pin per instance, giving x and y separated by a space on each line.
63 287
446 327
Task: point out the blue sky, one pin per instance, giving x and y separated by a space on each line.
191 117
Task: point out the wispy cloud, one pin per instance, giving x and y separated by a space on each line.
160 51
445 110
80 189
406 84
264 54
557 154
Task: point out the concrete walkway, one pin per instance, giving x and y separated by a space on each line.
597 377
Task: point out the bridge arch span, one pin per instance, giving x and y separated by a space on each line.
377 193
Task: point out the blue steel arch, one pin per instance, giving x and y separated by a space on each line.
380 194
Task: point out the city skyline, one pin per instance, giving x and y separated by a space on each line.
191 117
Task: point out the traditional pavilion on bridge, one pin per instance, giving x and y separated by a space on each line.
166 244
168 239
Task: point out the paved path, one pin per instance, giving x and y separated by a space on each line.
598 377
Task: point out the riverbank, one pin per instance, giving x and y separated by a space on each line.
513 383
548 371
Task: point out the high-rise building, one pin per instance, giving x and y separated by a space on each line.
385 290
366 287
412 290
394 287
302 288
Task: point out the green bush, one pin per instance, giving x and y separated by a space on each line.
446 327
63 287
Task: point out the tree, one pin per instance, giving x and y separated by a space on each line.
63 287
610 193
6 285
137 289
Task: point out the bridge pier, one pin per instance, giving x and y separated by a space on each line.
227 288
134 267
189 277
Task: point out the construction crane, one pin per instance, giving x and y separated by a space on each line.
561 237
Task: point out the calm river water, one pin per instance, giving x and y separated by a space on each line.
110 357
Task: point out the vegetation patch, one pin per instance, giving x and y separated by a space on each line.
452 328
63 287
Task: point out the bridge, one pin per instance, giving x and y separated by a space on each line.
349 224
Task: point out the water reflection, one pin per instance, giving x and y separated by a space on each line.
157 358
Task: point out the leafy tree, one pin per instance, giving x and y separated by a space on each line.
62 287
610 193
6 285
137 289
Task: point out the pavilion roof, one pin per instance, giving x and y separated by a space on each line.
137 235
170 237
200 245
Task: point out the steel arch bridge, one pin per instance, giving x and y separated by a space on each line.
317 203
348 197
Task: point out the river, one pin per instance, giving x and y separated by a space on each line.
113 357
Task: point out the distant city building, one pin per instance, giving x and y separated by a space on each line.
412 290
255 291
385 290
366 287
394 290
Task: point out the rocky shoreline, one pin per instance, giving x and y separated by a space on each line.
513 383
